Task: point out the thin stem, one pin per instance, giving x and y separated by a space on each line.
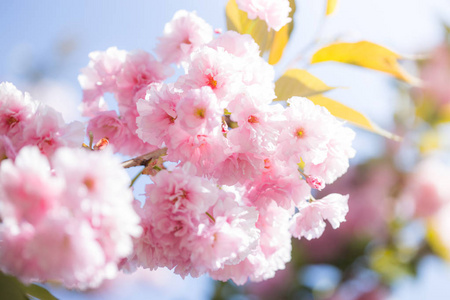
143 160
136 177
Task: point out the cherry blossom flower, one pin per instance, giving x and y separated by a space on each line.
274 12
309 222
184 34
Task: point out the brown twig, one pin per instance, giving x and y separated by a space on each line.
143 160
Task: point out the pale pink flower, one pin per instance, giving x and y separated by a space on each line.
241 45
185 33
274 12
157 113
307 132
16 112
216 68
427 190
198 112
205 152
436 75
280 184
139 70
315 182
108 125
99 77
80 212
272 253
309 222
230 239
239 167
253 68
339 152
48 131
28 190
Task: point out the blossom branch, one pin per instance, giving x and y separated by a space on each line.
143 160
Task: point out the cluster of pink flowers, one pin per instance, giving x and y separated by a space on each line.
25 121
66 214
241 188
68 218
246 166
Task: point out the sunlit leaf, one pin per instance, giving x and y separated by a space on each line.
268 40
331 6
298 82
365 54
281 38
435 242
344 112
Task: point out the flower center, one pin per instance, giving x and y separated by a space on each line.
253 119
211 82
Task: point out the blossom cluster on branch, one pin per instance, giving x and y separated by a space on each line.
241 188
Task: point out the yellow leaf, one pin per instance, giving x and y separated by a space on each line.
331 6
435 242
344 112
298 82
365 54
430 141
268 40
280 41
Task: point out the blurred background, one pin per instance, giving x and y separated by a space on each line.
396 241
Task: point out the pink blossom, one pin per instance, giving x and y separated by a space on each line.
80 211
274 12
217 69
426 190
198 112
16 112
48 131
339 152
436 75
157 113
273 252
108 125
99 77
280 184
309 222
139 70
184 34
204 151
315 182
307 131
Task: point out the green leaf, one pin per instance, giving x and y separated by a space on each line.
344 112
298 82
39 292
365 54
11 288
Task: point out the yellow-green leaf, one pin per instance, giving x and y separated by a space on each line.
298 82
435 242
268 40
344 112
365 54
331 6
